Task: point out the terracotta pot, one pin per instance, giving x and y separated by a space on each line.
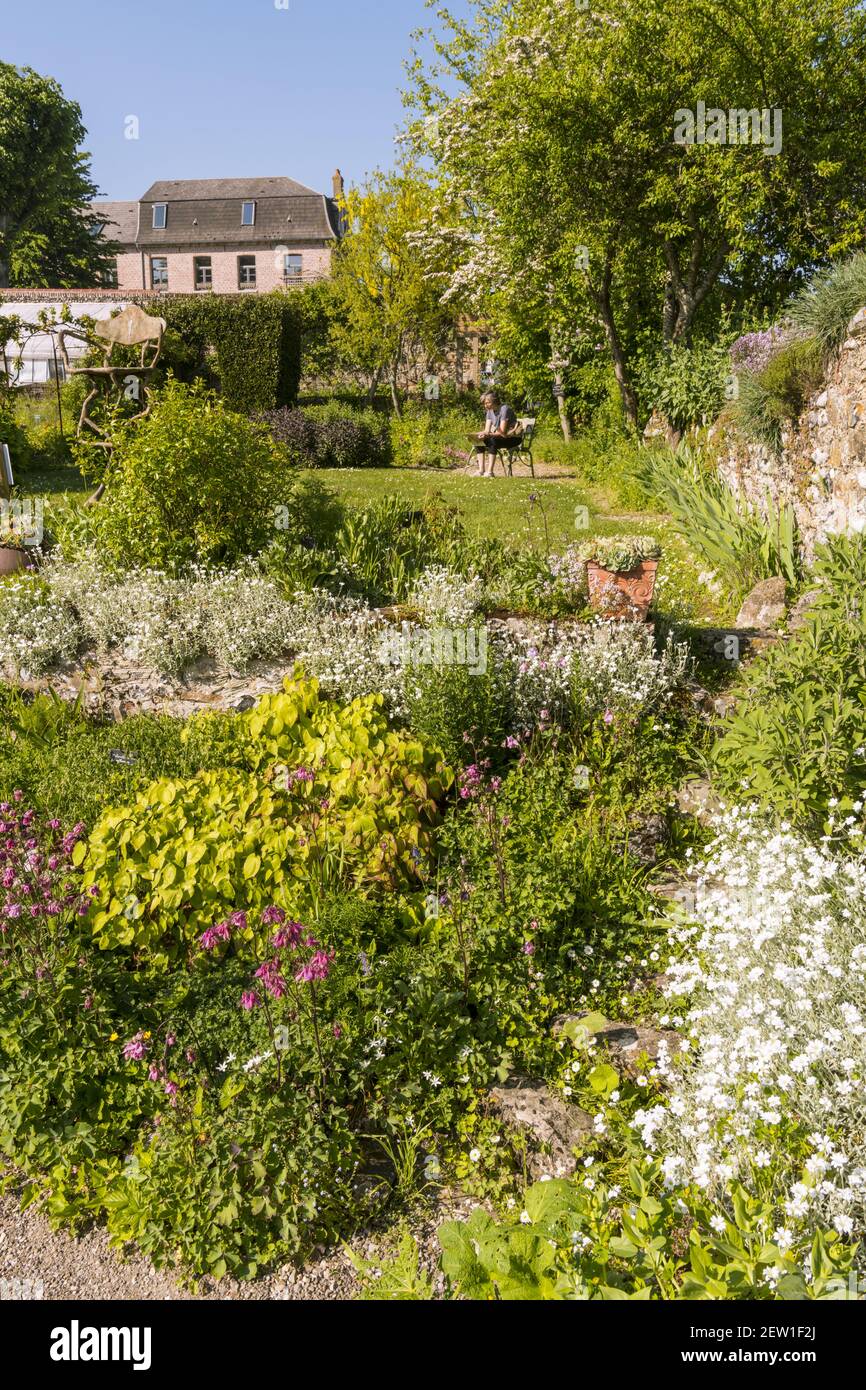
11 560
622 593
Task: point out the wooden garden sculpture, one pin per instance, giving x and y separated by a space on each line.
130 328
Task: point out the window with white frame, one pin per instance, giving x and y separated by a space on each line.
248 215
293 266
160 216
203 272
159 272
247 272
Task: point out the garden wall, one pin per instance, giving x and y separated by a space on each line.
821 469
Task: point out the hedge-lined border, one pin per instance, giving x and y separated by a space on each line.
248 345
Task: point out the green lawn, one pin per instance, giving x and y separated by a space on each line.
564 511
496 507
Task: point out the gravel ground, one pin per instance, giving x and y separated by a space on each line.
87 1268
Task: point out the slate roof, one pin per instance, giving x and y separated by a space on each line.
191 190
120 220
208 211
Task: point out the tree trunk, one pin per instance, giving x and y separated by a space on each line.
686 291
618 357
564 417
395 395
4 254
373 386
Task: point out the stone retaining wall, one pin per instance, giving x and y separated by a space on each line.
822 465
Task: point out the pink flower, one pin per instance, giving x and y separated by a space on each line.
136 1049
337 1031
273 917
318 967
608 716
529 948
250 1000
289 935
271 978
211 938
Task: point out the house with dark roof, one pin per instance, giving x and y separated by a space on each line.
223 235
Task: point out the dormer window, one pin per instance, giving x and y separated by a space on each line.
160 215
248 215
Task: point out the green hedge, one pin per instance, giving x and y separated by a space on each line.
247 346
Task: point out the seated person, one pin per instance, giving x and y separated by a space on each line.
501 432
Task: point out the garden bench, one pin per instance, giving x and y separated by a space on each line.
522 446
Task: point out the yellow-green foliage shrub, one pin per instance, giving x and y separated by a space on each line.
323 798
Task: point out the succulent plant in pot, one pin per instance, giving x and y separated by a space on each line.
13 546
621 573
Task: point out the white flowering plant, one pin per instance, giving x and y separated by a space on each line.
36 629
772 964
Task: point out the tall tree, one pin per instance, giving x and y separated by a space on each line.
557 124
48 232
390 307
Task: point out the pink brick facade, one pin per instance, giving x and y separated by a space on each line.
134 269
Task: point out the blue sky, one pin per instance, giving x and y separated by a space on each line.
224 87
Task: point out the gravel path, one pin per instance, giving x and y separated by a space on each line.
87 1268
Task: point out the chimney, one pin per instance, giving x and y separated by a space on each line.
339 186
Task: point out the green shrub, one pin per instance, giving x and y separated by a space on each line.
800 740
13 434
387 545
777 395
447 702
633 1248
433 435
685 384
72 767
247 346
192 482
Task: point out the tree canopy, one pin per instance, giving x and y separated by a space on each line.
553 126
48 231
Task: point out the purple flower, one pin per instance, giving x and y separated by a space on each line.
288 936
214 935
136 1049
272 979
318 967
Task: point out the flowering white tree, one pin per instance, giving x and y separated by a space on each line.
553 125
